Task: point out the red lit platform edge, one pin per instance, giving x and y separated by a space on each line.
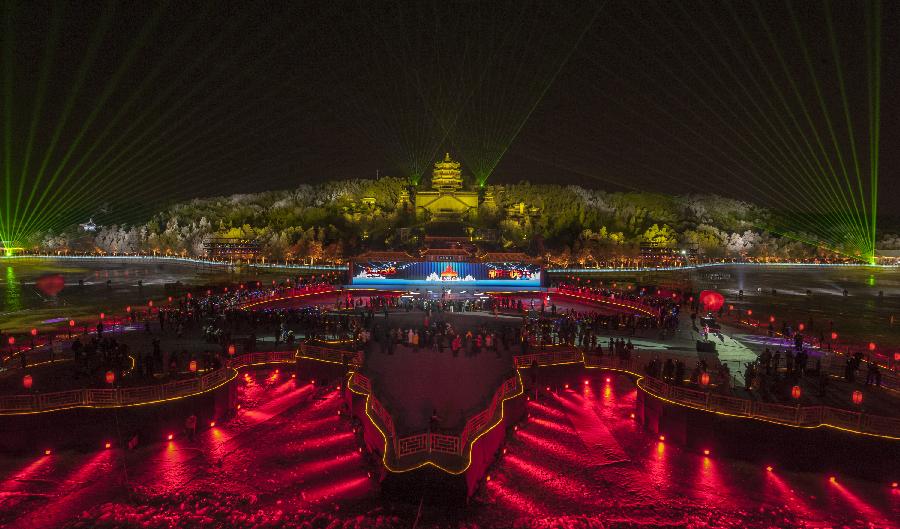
87 418
810 438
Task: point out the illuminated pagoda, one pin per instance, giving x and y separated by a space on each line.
446 200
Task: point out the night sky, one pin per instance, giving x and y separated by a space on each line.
141 104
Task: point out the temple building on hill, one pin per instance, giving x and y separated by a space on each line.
446 200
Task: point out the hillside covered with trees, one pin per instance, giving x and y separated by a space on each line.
335 220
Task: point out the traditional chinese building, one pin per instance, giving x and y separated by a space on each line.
446 200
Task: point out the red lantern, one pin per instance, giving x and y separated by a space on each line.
209 292
170 299
795 392
150 303
871 346
834 336
193 366
857 397
110 377
11 340
27 381
704 379
801 327
71 323
711 300
771 319
226 289
231 349
749 312
33 332
897 356
128 309
102 315
730 307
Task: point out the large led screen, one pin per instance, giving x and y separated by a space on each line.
446 273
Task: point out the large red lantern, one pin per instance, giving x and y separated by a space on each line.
834 336
193 366
11 340
712 300
150 303
231 349
795 392
128 309
704 379
110 377
897 356
102 316
50 284
27 381
857 397
871 346
33 331
801 327
771 319
749 312
71 323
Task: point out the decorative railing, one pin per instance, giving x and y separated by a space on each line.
433 442
792 415
636 306
282 294
133 396
334 356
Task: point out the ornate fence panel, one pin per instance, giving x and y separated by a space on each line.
808 415
100 397
412 445
777 412
688 396
139 394
841 418
730 405
14 403
881 425
446 444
